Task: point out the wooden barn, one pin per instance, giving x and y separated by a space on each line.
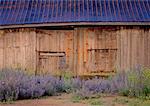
82 37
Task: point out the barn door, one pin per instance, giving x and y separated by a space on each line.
101 50
55 51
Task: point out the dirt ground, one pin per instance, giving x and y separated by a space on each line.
62 100
67 100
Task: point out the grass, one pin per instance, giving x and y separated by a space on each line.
121 100
90 101
131 101
95 102
7 102
76 99
111 101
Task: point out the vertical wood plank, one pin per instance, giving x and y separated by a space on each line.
148 48
75 65
118 61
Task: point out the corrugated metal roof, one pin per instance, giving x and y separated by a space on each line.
17 12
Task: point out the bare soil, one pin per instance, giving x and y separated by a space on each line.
62 100
67 100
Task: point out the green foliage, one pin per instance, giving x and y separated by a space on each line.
67 75
95 102
124 92
67 86
146 81
121 100
76 99
131 101
138 83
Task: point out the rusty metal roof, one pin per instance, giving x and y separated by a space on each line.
19 12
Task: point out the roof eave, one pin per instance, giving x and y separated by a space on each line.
75 24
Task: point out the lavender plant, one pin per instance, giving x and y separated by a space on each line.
128 83
15 84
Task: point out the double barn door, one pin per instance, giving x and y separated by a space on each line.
81 51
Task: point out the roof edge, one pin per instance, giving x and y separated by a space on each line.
75 24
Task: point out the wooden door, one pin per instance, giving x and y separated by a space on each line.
98 50
55 51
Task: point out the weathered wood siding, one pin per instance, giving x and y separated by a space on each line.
55 51
97 50
82 51
133 47
17 49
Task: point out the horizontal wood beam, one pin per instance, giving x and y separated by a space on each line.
52 54
74 24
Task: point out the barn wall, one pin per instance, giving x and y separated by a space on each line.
17 49
82 51
103 50
133 47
